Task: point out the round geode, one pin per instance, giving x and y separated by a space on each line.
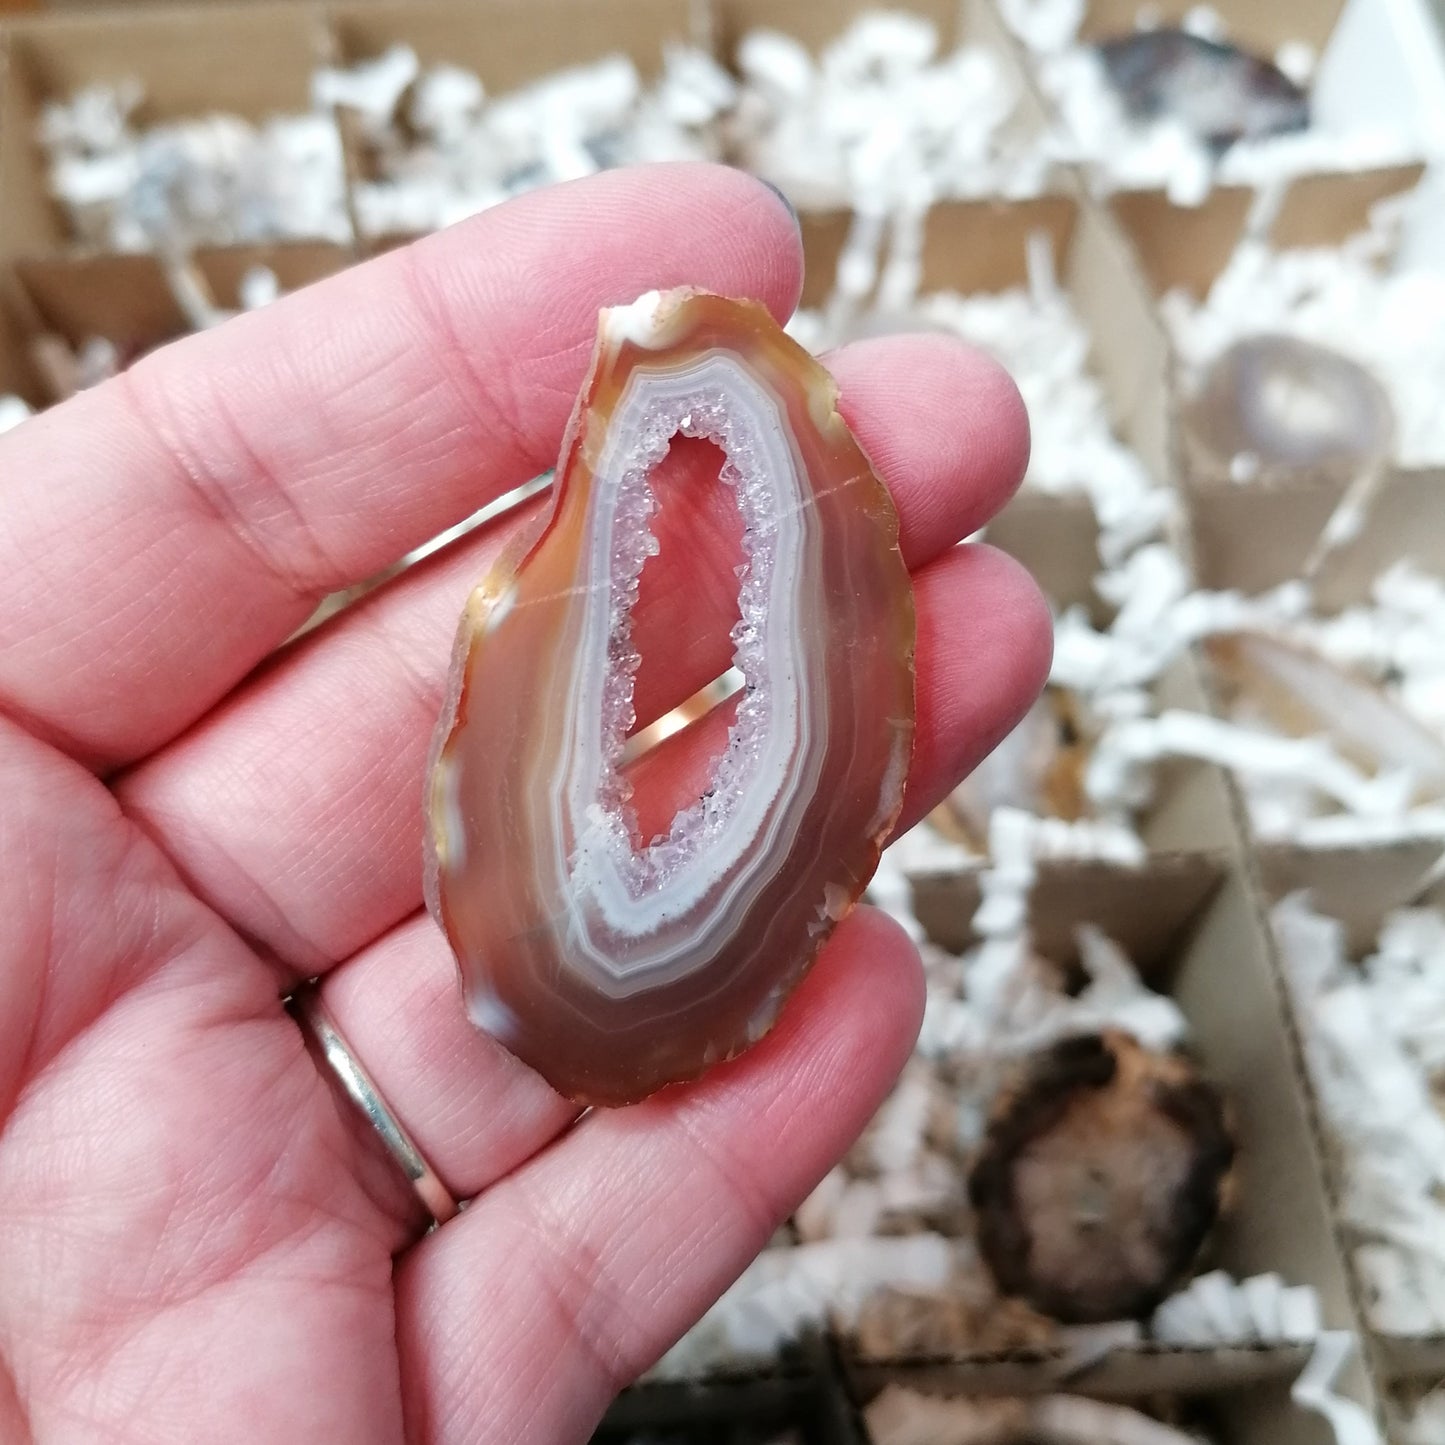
1275 408
1102 1173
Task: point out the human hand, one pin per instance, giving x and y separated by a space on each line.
199 1238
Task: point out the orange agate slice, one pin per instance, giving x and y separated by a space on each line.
611 966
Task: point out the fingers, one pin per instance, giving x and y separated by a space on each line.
985 641
475 1111
295 810
570 1276
165 531
943 425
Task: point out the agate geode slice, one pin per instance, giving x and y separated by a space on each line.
613 966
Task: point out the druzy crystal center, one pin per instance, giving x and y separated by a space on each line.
626 894
610 964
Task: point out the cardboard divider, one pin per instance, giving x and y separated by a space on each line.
186 60
1259 28
509 43
18 375
1254 538
1057 539
958 22
294 263
981 246
125 299
811 1401
1360 887
1181 247
816 26
1177 885
1186 247
128 300
1323 209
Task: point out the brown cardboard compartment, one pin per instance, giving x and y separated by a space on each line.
979 247
1254 538
1260 28
128 300
295 263
958 22
1179 885
1192 808
1057 539
1206 944
17 369
510 43
816 25
1360 886
1188 246
1239 1413
185 58
810 1399
125 299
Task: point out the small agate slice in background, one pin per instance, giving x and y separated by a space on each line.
610 965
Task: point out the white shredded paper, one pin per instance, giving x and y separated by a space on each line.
1374 1035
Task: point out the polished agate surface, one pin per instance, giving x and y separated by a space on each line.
611 964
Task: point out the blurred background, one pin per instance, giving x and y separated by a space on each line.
1169 1162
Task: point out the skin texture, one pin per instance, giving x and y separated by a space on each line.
198 1238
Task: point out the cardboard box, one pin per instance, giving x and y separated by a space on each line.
1192 914
810 1397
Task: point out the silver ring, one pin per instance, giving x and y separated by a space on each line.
436 1198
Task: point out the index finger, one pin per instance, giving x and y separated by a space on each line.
164 532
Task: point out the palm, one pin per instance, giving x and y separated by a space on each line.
197 1239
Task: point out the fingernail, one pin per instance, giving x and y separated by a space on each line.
792 209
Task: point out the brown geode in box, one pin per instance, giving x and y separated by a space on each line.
1102 1174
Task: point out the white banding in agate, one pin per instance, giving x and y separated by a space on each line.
640 916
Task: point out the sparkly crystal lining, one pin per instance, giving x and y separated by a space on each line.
622 890
703 415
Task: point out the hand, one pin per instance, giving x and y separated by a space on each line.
199 1237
